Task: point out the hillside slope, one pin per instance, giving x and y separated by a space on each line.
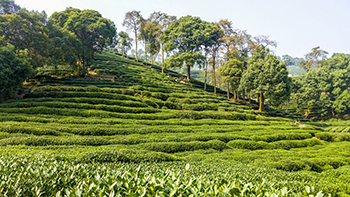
128 112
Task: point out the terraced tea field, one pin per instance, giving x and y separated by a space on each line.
129 130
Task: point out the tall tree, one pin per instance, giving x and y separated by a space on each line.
266 76
313 58
124 41
214 41
164 20
185 38
227 33
150 32
232 71
132 22
153 30
92 30
143 35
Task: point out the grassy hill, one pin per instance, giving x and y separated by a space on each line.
128 130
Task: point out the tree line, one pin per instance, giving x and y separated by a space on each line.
245 64
247 67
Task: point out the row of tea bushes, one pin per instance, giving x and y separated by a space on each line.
67 105
94 101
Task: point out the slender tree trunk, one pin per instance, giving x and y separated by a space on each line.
287 105
145 51
228 90
188 73
219 80
136 45
234 95
123 50
261 103
162 58
243 96
205 75
151 58
214 82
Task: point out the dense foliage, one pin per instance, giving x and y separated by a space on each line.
65 39
14 70
324 92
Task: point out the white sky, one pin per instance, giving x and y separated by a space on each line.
297 25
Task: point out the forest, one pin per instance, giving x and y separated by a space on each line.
173 106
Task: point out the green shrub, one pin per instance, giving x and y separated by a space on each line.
173 147
281 136
284 144
325 136
251 145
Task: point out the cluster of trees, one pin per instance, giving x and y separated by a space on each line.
32 39
324 91
149 31
245 64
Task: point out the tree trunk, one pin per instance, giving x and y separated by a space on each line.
151 58
123 50
214 82
136 45
234 95
287 105
162 58
243 96
145 51
261 103
219 80
188 73
205 75
228 90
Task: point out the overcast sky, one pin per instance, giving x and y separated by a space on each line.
297 25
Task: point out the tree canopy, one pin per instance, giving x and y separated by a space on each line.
132 22
313 58
324 91
92 31
15 68
266 76
124 42
185 37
